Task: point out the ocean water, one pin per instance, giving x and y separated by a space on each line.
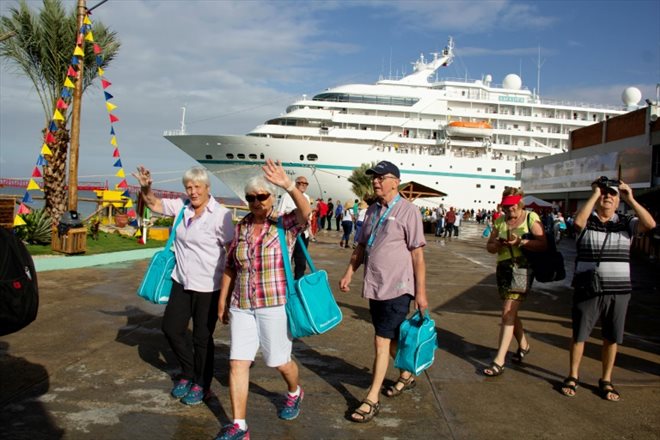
86 200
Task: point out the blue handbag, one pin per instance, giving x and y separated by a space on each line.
418 340
157 282
311 308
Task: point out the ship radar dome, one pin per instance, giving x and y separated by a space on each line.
512 81
631 96
488 79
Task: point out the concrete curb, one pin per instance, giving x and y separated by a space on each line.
43 264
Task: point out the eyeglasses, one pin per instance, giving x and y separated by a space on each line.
252 197
381 178
302 183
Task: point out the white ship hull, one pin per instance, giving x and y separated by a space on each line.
328 174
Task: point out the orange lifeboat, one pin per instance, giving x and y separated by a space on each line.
479 129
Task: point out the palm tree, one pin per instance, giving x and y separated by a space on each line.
40 46
361 182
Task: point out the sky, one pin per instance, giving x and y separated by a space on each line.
236 64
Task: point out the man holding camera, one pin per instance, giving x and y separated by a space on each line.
602 276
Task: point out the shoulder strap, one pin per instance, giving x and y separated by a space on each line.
307 257
179 217
285 257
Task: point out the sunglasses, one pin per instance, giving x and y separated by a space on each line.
381 178
252 197
302 183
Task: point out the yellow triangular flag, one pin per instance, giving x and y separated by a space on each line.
129 203
113 141
110 106
120 173
45 151
138 233
101 72
57 116
33 185
86 20
68 83
18 221
79 52
89 36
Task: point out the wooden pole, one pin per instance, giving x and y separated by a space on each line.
75 119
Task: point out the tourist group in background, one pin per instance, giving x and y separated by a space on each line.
236 274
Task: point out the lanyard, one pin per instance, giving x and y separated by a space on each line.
375 226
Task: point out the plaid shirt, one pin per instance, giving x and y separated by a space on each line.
260 277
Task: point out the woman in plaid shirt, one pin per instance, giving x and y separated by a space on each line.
255 308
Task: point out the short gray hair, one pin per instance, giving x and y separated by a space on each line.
257 183
197 175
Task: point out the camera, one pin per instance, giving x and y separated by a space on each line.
604 181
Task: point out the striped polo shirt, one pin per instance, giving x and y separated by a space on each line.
614 268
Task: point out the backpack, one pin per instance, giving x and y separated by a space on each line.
19 293
547 266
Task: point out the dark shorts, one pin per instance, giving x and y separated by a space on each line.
611 309
387 315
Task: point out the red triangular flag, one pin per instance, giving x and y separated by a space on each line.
122 184
71 72
50 138
105 83
22 209
36 172
113 118
61 104
97 49
116 153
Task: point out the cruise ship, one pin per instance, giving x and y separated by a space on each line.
464 137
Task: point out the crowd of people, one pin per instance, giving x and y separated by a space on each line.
235 274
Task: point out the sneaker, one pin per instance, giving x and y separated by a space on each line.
181 388
233 432
291 408
195 396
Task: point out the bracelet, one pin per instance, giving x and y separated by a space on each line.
520 245
291 187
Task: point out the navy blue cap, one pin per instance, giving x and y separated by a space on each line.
384 167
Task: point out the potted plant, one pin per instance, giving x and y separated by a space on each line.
121 217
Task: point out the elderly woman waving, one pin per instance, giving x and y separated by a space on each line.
255 308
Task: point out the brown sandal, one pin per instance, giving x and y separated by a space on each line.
408 384
366 416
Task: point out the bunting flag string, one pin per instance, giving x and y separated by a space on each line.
60 116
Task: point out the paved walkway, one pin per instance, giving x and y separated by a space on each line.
96 366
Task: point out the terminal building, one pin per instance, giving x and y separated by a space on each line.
625 147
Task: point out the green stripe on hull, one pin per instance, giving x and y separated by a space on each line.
347 168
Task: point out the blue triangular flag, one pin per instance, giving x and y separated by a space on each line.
126 193
99 60
27 198
66 93
74 61
112 130
118 163
52 126
108 96
41 161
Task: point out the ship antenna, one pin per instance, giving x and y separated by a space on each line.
183 120
539 64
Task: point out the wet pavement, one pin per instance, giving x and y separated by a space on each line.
95 365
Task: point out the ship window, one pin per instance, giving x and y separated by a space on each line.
208 156
241 156
230 155
312 157
507 171
261 156
493 170
479 169
253 156
302 157
492 187
478 185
